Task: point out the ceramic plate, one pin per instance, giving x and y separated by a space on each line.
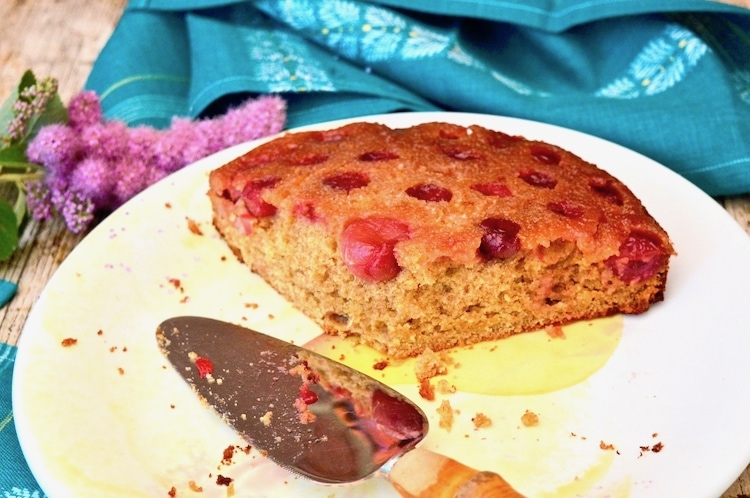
659 408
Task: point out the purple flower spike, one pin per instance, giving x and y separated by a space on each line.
105 140
95 178
56 147
252 120
39 200
132 177
78 211
142 144
84 110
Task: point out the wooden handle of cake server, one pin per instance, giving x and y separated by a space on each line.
421 474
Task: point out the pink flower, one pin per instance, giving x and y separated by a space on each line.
56 147
105 140
95 178
142 141
95 165
132 177
84 110
77 210
252 120
39 200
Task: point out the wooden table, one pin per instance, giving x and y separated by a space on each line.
62 38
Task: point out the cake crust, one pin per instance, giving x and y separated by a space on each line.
438 235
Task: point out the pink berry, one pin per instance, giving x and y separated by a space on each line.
367 248
347 181
565 208
641 256
429 192
495 189
310 160
538 179
606 189
545 154
500 239
251 195
378 155
460 153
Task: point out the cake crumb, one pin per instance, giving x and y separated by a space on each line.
481 420
223 480
195 487
380 365
69 341
177 284
172 492
227 455
529 418
266 419
555 332
193 226
656 448
445 411
426 390
606 446
445 387
306 416
121 370
429 364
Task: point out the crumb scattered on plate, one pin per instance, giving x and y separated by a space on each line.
529 419
481 420
445 411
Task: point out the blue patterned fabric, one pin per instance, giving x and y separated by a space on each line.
669 79
16 480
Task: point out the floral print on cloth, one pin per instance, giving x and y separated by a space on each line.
671 82
662 63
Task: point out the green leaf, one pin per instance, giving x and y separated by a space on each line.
27 80
6 111
19 208
13 155
8 230
55 112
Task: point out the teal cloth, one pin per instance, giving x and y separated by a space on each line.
16 480
669 79
7 291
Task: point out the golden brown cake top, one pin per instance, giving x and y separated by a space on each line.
439 190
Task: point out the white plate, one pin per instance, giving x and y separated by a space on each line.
106 417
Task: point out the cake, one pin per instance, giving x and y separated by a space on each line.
437 235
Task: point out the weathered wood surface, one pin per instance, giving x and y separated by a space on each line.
62 38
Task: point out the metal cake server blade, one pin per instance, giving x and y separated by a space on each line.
313 415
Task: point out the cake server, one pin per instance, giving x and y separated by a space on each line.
313 415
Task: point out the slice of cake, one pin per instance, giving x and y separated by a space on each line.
438 235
